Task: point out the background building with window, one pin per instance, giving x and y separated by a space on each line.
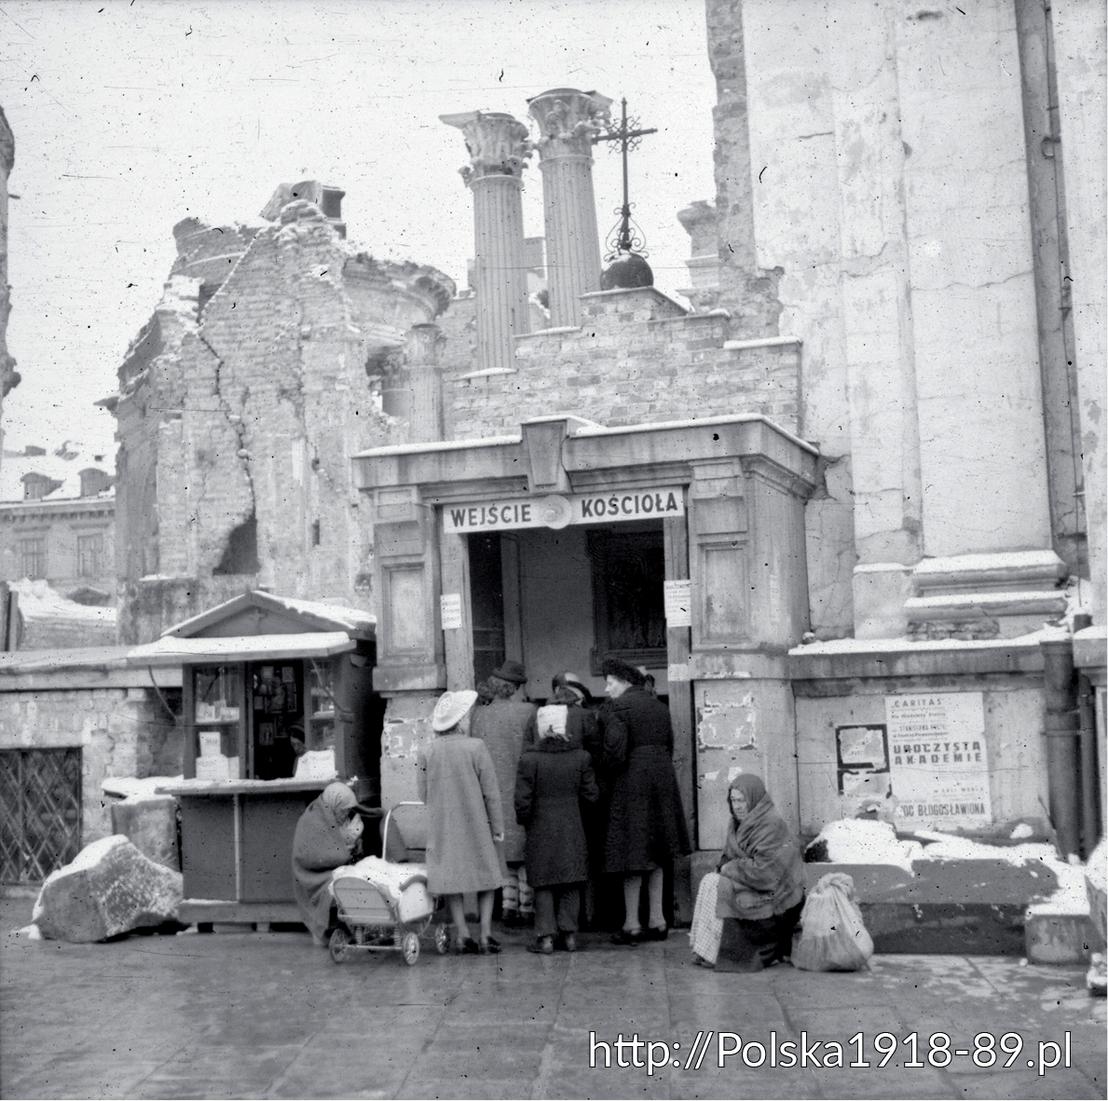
57 544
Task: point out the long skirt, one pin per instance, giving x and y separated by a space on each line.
706 930
738 944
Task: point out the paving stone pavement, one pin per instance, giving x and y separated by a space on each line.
255 1014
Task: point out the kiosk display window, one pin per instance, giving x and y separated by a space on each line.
217 719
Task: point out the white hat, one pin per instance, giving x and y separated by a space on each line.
451 708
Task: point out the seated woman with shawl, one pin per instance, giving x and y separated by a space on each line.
746 912
327 837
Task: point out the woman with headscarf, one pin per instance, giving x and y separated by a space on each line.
457 781
553 779
327 837
747 910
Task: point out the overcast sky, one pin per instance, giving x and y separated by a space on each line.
129 115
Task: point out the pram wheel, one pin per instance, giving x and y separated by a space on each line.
339 944
409 946
442 940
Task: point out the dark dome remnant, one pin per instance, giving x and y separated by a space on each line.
626 271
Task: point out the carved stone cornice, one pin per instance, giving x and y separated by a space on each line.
497 143
568 120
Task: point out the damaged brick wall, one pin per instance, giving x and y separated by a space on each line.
637 358
240 408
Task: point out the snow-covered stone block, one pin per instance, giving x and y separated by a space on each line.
150 824
109 888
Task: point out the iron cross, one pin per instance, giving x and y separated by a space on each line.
628 138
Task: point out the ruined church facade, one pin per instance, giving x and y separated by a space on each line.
879 425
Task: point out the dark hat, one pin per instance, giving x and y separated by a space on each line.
614 667
511 671
573 683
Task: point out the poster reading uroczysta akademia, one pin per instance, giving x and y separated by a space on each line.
937 758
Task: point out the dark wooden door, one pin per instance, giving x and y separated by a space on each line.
40 812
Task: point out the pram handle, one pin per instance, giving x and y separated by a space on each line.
388 820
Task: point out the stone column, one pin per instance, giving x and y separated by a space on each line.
567 120
498 148
423 349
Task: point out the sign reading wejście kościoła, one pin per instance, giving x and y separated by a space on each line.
558 510
937 758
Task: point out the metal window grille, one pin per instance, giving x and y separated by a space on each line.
40 812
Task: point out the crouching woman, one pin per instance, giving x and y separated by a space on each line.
746 912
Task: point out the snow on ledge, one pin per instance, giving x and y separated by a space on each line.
886 645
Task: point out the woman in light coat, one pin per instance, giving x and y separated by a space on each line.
457 781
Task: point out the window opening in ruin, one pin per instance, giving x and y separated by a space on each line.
316 533
241 552
332 203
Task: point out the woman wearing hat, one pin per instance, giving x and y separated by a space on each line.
646 823
327 837
506 725
457 781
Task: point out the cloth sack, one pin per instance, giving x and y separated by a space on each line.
833 936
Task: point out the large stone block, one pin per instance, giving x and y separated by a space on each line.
150 824
110 888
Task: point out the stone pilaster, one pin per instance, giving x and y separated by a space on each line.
498 149
567 120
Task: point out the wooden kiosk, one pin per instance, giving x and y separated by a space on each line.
278 701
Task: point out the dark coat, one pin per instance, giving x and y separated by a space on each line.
762 873
553 779
646 822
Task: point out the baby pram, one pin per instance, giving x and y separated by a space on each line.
384 906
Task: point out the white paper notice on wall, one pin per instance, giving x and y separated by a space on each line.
679 603
937 757
450 606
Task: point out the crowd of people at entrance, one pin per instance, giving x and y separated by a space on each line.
561 808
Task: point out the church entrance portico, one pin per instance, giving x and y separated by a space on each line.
678 547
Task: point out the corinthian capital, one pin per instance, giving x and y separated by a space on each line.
497 143
568 120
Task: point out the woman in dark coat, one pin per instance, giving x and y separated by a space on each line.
746 912
553 779
646 822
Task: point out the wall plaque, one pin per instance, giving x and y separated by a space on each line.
450 606
937 758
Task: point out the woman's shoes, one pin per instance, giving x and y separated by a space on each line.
543 946
489 946
629 937
467 947
656 933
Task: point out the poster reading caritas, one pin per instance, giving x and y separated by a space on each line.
937 758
